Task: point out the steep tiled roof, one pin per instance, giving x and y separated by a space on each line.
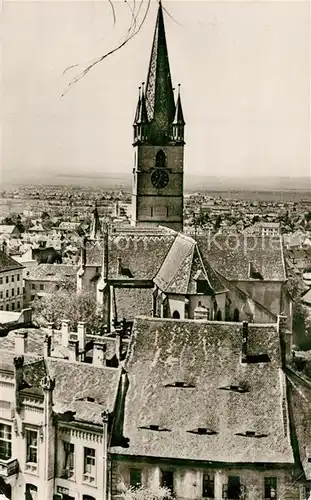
7 263
131 302
74 382
34 341
141 254
181 267
231 255
207 357
53 272
300 397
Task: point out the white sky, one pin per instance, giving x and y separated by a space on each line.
245 74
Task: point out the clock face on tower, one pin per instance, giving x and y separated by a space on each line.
159 178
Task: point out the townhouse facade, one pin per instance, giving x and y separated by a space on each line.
11 284
55 421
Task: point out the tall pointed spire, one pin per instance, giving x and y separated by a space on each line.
142 115
159 91
95 232
179 115
138 106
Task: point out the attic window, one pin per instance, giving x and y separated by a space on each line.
242 388
154 427
203 431
179 383
251 434
90 399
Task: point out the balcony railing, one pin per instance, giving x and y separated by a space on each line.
233 492
8 467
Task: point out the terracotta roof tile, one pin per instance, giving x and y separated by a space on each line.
7 263
207 356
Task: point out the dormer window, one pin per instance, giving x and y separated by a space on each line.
241 388
154 427
181 384
203 431
253 434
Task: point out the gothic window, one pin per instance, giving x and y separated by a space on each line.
160 159
218 315
176 315
236 315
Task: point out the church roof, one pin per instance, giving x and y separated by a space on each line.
232 256
182 268
159 91
206 358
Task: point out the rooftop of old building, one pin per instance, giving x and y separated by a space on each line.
191 397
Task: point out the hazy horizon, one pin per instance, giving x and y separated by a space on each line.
244 69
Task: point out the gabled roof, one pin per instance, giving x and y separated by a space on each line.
231 255
7 229
7 263
142 254
207 357
53 272
182 268
74 381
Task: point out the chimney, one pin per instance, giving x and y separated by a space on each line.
244 341
73 346
47 346
286 339
99 353
81 329
201 312
65 332
18 372
21 342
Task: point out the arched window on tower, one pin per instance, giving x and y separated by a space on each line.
160 159
176 314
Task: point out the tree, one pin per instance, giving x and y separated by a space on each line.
14 220
69 305
143 493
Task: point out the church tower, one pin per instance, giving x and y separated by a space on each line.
157 196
